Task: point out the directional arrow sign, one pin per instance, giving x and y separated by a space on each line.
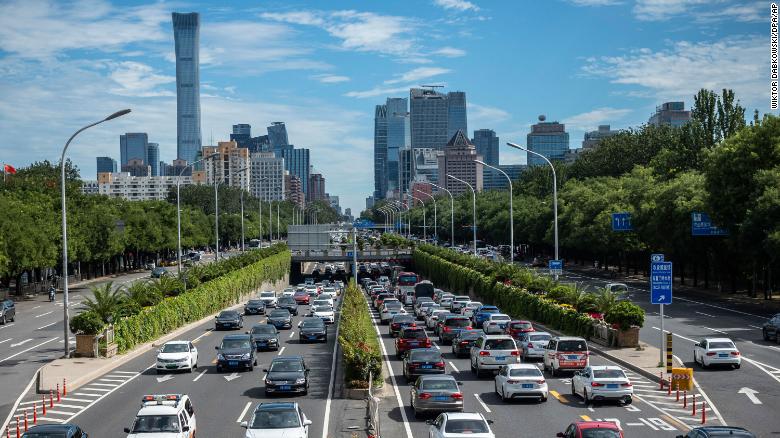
231 377
165 378
20 343
751 394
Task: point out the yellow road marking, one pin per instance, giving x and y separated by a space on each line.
680 424
556 395
585 417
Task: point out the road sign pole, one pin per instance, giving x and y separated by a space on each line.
663 335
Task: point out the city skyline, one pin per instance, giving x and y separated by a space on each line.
322 72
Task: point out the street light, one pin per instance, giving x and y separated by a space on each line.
555 194
423 205
66 317
178 207
435 224
386 214
473 207
452 214
511 213
394 210
216 209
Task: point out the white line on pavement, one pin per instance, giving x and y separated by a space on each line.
25 351
705 314
35 307
755 327
246 408
18 400
454 367
679 336
5 340
7 325
44 314
102 396
331 382
768 369
199 376
127 372
202 335
716 330
47 325
484 406
281 350
291 334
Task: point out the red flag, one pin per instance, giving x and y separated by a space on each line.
10 169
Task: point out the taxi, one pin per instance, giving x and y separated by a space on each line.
164 416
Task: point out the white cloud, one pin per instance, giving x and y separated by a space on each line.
482 116
590 120
450 52
331 79
655 10
137 79
752 12
378 91
460 5
418 74
595 2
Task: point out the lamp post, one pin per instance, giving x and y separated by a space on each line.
473 207
393 210
452 214
385 213
242 210
423 205
66 316
511 212
435 224
178 208
555 193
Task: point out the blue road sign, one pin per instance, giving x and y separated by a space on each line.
349 254
363 223
556 267
656 257
661 282
701 225
621 222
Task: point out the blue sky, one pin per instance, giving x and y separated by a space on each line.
322 66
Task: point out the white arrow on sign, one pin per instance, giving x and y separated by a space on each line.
751 394
20 343
165 378
233 376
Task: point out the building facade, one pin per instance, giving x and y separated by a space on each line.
267 176
242 128
670 114
293 189
380 151
137 167
106 164
133 146
90 187
186 36
153 157
277 136
398 137
549 139
242 134
316 190
428 118
456 113
458 161
593 138
296 161
486 141
493 180
138 188
226 167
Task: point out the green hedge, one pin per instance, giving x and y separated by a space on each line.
358 340
207 298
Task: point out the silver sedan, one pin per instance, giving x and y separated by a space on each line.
436 393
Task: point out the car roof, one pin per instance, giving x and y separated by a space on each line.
524 366
497 314
275 406
177 342
236 336
487 336
718 340
53 428
605 367
437 377
596 424
722 430
286 358
463 416
568 338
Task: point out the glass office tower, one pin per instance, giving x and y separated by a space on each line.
186 36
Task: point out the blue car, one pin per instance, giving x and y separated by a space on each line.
483 313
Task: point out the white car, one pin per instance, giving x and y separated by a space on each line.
389 309
470 308
491 352
269 298
164 416
496 323
325 313
288 292
717 351
521 380
277 420
460 424
327 296
458 302
433 318
177 355
322 302
446 302
603 382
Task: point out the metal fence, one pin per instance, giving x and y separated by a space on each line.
374 426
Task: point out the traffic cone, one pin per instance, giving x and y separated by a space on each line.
661 381
51 398
35 414
64 388
703 412
694 406
58 393
43 404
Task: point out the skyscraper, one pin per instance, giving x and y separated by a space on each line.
456 113
316 187
267 176
296 161
593 138
132 146
380 151
549 139
428 118
153 157
106 164
277 136
458 161
486 142
186 36
398 137
671 114
242 128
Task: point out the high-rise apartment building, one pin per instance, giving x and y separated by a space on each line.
456 113
398 137
277 137
227 167
106 164
267 176
293 189
186 36
670 114
549 139
380 151
316 187
296 161
486 142
137 167
178 167
593 138
138 188
428 118
458 161
133 146
153 157
420 164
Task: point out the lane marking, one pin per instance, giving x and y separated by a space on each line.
199 376
755 327
102 396
585 417
246 408
705 314
764 367
331 381
291 334
647 423
679 336
208 332
484 406
7 325
35 307
281 351
5 340
20 343
454 367
126 372
716 330
47 325
556 395
25 351
44 314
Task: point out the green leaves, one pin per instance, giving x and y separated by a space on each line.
358 340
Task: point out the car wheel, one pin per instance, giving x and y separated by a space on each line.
766 334
585 396
473 368
573 391
2 320
158 371
479 371
191 368
542 399
552 370
219 369
703 364
628 400
737 366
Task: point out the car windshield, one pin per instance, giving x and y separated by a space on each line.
439 385
44 435
714 345
414 334
321 303
175 348
499 344
286 366
286 300
425 356
500 318
572 346
267 294
489 310
263 329
525 372
156 423
461 298
254 302
457 322
407 279
600 433
608 374
325 308
403 318
520 325
538 338
466 426
230 344
275 419
281 313
393 305
230 314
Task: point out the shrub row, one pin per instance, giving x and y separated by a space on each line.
358 340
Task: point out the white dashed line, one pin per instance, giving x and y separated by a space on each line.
199 376
452 365
281 351
44 314
705 314
484 406
246 408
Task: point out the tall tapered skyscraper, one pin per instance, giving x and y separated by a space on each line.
186 35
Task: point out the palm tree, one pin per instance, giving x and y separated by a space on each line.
605 301
105 301
581 300
143 294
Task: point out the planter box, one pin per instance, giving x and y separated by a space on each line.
109 350
86 345
628 338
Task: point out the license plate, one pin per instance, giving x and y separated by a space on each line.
528 385
284 387
612 386
441 398
262 343
232 363
414 344
573 357
426 367
500 357
723 355
312 337
171 366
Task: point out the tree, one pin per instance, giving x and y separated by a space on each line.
105 301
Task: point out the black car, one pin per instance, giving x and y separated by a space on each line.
266 337
771 329
7 311
422 361
236 351
718 431
400 322
288 303
287 374
55 431
229 319
312 329
461 344
280 318
254 307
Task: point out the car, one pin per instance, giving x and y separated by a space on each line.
399 322
483 313
228 319
432 315
55 431
539 262
469 308
280 318
533 344
381 299
323 301
236 351
458 302
491 352
716 431
444 295
446 302
254 307
7 311
456 425
771 329
421 308
620 290
496 323
269 298
287 374
177 355
585 429
461 344
159 272
521 380
301 297
164 415
312 329
331 296
277 420
390 309
514 328
451 326
436 393
717 351
422 361
265 336
566 353
603 382
440 322
325 313
289 303
411 338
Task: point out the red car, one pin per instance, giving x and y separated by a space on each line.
514 328
592 429
301 297
410 338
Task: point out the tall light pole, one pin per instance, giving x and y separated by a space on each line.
242 210
452 214
511 212
555 193
423 205
384 212
473 208
270 221
278 227
393 210
435 224
66 316
178 207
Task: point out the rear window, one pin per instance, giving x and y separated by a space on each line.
537 338
572 346
425 356
263 329
721 345
520 325
500 318
415 334
466 426
407 279
600 433
393 305
439 385
525 372
609 374
457 322
489 310
403 318
499 344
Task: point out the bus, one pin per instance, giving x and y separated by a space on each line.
406 282
423 289
254 243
